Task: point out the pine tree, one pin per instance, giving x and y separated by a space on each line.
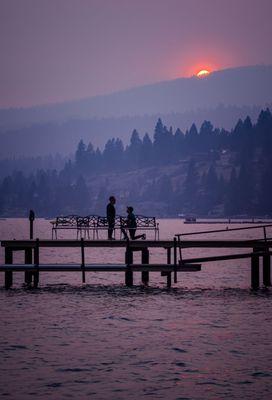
80 156
133 153
146 154
163 144
90 159
178 144
206 136
191 139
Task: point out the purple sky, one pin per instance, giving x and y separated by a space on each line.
55 50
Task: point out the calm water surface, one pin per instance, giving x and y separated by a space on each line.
208 337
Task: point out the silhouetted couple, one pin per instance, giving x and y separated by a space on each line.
129 224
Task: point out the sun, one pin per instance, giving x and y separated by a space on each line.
202 73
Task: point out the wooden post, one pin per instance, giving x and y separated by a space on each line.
266 270
145 260
169 279
129 261
168 274
169 255
255 279
36 262
28 256
83 260
28 260
8 274
31 218
175 260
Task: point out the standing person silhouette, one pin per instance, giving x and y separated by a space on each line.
131 224
111 216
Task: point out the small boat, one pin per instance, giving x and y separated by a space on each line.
190 220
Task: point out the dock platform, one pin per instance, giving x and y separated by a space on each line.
255 250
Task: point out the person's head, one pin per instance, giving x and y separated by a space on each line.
112 200
129 210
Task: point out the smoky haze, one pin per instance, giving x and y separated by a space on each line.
62 50
223 97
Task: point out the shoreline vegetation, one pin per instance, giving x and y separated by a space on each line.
208 172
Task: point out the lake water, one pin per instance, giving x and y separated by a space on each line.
208 337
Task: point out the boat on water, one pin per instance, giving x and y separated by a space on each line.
188 219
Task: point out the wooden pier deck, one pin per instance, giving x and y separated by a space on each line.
255 250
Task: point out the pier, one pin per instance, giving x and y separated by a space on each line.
32 266
257 251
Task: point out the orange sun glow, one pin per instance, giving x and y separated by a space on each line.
202 73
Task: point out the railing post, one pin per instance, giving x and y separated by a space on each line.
128 262
145 260
265 238
179 246
8 274
157 231
255 279
36 262
82 260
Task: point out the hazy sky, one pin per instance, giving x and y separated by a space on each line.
55 50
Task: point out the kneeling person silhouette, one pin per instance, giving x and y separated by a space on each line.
131 225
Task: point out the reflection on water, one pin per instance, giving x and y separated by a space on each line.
208 337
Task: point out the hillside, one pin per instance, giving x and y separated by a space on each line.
222 97
208 172
154 190
244 86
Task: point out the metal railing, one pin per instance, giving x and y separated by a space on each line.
227 229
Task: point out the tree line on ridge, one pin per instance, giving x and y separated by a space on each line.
203 184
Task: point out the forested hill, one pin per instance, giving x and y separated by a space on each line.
208 171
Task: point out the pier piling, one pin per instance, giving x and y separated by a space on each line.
28 260
82 260
37 263
255 267
168 274
8 274
129 261
169 280
145 260
175 261
266 270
